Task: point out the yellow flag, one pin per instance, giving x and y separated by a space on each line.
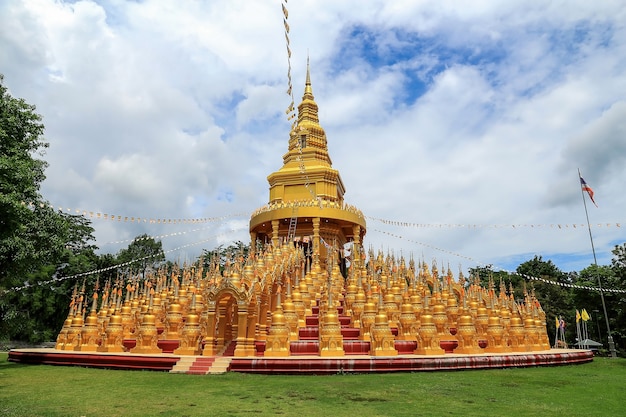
585 315
557 322
577 316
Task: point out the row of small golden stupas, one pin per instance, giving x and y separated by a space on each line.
268 299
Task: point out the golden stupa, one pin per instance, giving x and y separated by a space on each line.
306 195
295 293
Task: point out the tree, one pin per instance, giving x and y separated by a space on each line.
142 253
106 264
486 273
618 263
21 174
591 301
37 243
35 310
221 255
555 299
616 302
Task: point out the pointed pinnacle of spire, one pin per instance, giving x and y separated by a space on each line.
308 70
307 86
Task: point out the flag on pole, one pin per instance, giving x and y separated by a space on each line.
578 329
588 189
585 315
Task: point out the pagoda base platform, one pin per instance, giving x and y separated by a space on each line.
314 365
113 360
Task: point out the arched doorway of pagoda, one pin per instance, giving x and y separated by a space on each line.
227 323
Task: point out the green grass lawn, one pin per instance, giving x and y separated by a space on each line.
594 389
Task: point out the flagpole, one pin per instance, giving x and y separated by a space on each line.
556 334
578 333
595 261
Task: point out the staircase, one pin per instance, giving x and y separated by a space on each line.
206 365
308 344
193 365
309 336
220 366
229 349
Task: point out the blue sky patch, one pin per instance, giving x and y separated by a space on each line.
225 195
419 58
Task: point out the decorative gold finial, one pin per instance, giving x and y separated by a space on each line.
308 89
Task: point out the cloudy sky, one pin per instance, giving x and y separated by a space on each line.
458 127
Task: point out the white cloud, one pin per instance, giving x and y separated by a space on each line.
435 112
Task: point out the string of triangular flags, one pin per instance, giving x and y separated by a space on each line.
57 279
95 215
291 108
137 219
566 226
139 239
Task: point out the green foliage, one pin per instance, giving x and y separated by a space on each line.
221 255
619 260
554 298
106 262
142 253
591 389
486 274
37 244
616 303
21 174
607 277
35 312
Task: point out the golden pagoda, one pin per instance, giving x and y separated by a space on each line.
306 203
289 297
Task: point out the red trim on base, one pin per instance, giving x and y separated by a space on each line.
406 363
93 359
309 365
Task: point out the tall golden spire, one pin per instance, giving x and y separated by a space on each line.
307 164
308 138
307 194
308 90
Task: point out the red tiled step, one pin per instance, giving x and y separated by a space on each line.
307 347
230 350
356 347
201 365
316 310
259 347
314 320
309 333
312 333
350 333
351 347
405 347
